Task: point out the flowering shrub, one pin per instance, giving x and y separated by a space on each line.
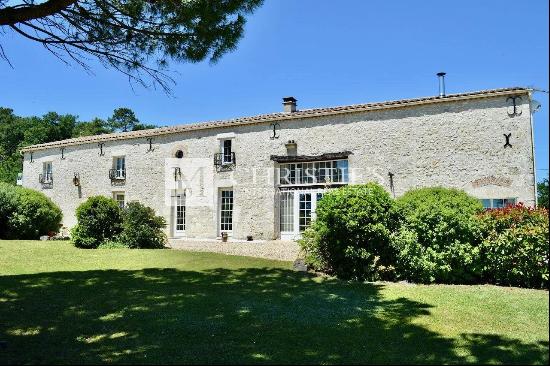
514 251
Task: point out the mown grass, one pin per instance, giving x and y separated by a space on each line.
59 304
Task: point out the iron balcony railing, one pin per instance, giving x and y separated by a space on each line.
117 174
221 159
46 178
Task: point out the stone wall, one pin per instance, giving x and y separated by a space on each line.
454 144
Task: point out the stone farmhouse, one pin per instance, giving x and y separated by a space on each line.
260 177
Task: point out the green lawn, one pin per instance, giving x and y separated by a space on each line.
59 304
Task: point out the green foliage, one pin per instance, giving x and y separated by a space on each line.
515 249
351 235
17 132
99 219
26 214
134 37
142 228
542 191
112 244
102 224
122 120
438 239
97 126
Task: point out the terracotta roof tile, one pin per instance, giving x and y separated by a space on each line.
263 118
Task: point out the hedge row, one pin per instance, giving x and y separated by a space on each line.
429 235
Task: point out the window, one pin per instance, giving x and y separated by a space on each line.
119 198
304 211
497 202
47 172
287 211
227 156
119 166
335 171
180 212
226 210
179 154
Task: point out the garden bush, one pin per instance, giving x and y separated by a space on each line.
142 228
99 219
27 214
350 237
515 248
439 237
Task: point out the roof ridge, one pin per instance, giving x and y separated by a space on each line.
276 116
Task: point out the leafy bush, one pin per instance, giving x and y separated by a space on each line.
112 244
27 214
515 249
99 219
142 228
439 237
351 235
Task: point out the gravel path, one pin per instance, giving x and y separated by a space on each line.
275 249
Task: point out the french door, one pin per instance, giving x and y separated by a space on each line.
179 215
297 210
226 211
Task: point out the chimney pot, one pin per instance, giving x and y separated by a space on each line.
289 104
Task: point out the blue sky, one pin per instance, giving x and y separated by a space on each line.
322 52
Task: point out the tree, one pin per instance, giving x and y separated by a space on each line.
135 37
123 119
97 126
542 188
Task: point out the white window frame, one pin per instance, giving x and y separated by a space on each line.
120 171
116 196
227 157
47 171
177 206
308 173
492 202
297 230
221 210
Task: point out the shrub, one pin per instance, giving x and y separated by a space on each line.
99 218
439 237
515 249
26 214
112 244
351 236
142 228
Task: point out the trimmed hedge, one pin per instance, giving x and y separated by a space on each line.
26 213
351 236
99 219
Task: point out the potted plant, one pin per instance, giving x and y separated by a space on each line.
224 237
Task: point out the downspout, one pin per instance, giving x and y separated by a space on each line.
531 113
